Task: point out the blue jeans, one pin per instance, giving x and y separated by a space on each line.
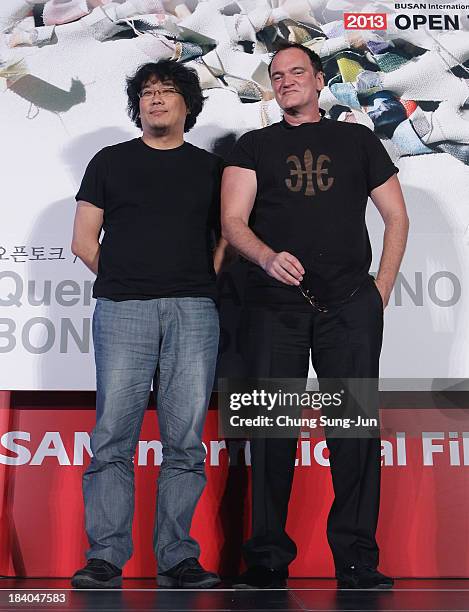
174 342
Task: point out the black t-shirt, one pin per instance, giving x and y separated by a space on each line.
313 182
160 207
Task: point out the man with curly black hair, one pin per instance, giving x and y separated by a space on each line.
156 320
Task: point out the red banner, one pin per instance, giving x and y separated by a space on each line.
425 496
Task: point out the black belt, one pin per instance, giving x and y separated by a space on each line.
321 306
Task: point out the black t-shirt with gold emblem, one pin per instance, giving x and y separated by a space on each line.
313 183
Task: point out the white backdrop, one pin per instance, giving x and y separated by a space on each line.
64 99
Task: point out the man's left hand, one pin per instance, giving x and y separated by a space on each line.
384 291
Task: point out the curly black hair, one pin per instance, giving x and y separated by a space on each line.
183 78
313 57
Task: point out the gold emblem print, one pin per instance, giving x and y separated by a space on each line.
297 174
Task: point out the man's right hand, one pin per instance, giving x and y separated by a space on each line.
284 267
239 189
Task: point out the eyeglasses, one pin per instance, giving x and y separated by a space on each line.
164 92
312 299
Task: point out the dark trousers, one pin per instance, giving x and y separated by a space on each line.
345 342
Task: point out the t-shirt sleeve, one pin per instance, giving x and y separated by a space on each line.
379 166
92 188
215 217
243 154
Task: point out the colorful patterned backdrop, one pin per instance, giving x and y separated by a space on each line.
63 65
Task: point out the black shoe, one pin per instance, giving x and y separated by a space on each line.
261 577
98 574
188 574
362 577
